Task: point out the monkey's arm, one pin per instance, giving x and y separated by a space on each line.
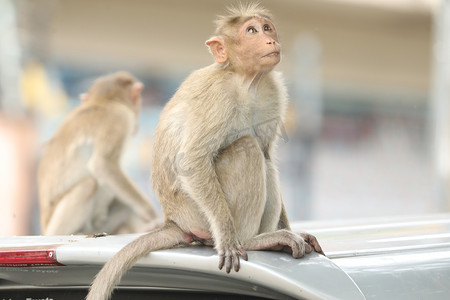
275 232
274 198
282 222
109 173
73 206
202 185
104 165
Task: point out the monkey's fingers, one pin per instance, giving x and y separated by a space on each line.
242 253
311 240
236 262
290 243
231 258
221 260
225 259
308 248
298 248
236 253
229 262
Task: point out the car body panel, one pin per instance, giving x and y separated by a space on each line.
266 274
389 258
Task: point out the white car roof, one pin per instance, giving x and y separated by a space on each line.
389 258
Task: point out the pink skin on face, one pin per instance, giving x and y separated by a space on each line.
257 49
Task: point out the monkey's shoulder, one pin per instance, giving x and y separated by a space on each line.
208 74
205 81
91 120
208 88
111 111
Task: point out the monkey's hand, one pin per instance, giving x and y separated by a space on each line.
312 241
229 255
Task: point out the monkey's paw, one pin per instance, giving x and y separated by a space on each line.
312 241
229 256
297 245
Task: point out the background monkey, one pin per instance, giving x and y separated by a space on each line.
212 167
82 188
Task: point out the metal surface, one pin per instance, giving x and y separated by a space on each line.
406 258
391 258
267 274
380 236
411 275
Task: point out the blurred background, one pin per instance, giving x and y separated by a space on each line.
367 129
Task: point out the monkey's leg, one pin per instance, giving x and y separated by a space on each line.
241 172
73 209
283 240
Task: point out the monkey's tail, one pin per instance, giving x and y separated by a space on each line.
167 236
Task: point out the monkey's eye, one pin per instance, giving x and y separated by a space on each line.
252 29
267 28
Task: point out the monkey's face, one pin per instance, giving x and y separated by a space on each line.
257 48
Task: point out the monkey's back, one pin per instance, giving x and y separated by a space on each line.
181 116
65 159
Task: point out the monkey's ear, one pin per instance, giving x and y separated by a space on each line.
136 91
84 97
218 49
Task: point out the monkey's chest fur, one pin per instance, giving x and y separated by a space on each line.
257 120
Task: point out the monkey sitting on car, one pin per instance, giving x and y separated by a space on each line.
82 188
213 164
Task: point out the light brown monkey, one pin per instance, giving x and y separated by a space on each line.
82 188
213 163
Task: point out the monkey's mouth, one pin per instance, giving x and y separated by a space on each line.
274 53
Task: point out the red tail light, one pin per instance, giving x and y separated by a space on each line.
28 258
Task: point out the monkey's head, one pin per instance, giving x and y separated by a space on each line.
246 40
119 86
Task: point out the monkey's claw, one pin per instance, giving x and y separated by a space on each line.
231 258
